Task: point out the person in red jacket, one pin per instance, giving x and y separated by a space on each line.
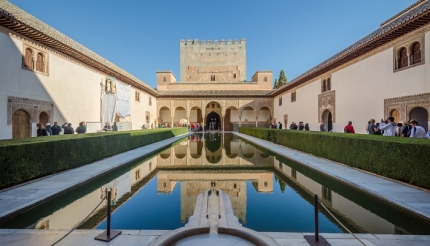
349 128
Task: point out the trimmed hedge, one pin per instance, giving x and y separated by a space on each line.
405 159
29 158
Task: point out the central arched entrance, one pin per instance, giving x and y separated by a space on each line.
213 121
20 124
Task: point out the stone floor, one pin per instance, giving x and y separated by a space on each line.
19 197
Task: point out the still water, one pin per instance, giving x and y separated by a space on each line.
268 193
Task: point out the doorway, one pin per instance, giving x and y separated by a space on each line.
20 124
327 119
213 121
421 115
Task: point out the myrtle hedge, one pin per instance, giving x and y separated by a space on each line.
404 159
29 158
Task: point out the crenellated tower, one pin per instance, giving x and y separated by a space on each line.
212 61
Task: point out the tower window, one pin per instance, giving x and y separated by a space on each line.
212 77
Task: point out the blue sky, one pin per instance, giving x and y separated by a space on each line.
143 36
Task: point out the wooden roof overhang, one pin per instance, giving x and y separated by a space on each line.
213 94
10 22
382 36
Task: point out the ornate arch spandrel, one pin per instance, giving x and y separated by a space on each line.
31 106
406 104
327 101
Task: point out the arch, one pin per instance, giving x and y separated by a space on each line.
213 121
164 79
416 53
403 58
264 114
21 124
39 63
231 115
208 106
165 154
179 115
196 146
327 118
265 79
395 114
328 86
213 147
164 117
28 58
43 118
180 151
324 87
263 155
248 114
421 115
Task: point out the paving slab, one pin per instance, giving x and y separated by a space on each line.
20 197
406 196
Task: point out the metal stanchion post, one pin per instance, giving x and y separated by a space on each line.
108 235
316 216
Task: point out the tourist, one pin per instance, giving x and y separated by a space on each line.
377 131
276 126
306 127
406 132
349 128
322 127
82 128
371 127
367 127
56 129
280 125
388 126
417 131
114 127
107 127
41 131
399 129
301 126
292 125
48 129
68 129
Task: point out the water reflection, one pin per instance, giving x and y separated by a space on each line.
268 193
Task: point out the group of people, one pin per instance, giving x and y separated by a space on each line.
195 127
108 127
390 128
50 130
276 125
300 126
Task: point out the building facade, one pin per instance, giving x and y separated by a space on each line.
46 77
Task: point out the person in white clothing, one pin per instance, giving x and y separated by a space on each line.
417 131
388 127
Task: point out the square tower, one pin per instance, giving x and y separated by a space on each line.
212 62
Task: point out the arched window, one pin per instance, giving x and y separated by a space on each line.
28 59
403 58
328 84
265 79
416 53
323 86
164 79
40 63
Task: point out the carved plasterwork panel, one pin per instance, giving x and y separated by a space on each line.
32 106
180 103
405 104
327 100
232 103
194 103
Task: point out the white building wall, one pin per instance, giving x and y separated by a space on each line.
73 88
360 90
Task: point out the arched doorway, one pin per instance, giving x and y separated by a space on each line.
327 119
395 114
20 124
421 115
213 121
43 118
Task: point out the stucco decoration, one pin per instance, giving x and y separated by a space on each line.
180 103
232 103
326 100
405 104
32 106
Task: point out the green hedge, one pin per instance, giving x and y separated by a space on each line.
404 159
25 159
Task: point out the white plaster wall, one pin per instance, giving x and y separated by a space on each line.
248 114
72 87
305 108
180 114
360 91
234 115
165 116
193 116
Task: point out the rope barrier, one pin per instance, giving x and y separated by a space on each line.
79 223
344 227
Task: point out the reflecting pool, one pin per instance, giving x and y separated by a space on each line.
268 193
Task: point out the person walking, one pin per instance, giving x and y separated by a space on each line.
56 129
349 128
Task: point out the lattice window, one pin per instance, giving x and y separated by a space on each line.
416 53
28 59
40 64
212 77
403 58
